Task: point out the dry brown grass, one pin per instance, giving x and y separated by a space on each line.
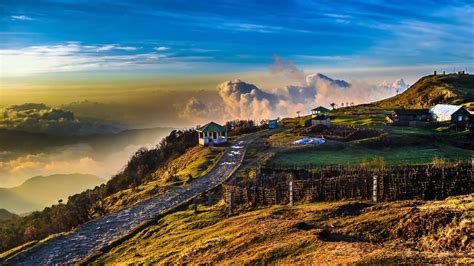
316 233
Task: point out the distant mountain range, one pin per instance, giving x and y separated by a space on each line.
5 215
41 191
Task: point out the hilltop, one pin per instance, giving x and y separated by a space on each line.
431 90
41 191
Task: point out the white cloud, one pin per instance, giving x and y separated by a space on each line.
110 47
72 56
21 17
40 118
249 27
200 50
246 101
324 57
162 48
78 158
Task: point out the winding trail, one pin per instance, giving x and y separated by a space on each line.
90 237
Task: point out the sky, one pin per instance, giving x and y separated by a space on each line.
60 51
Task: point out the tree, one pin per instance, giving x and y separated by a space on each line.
298 112
342 104
333 105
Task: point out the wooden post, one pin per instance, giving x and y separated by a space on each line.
196 205
290 185
442 183
231 201
375 188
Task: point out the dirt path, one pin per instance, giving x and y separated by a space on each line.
93 235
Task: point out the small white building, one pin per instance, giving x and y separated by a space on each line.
321 120
450 113
320 110
212 133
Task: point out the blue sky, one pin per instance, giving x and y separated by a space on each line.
218 36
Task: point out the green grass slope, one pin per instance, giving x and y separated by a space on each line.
317 233
41 191
431 90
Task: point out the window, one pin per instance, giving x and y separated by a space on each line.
460 118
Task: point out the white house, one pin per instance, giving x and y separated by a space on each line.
321 120
450 113
320 110
212 133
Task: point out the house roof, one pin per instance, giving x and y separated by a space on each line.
412 111
212 127
321 109
445 109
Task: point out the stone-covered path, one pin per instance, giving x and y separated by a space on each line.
90 237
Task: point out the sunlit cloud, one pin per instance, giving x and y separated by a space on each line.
21 17
78 158
74 56
162 48
324 57
249 27
110 47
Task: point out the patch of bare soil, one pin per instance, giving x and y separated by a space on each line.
435 230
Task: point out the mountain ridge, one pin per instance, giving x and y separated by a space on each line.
41 191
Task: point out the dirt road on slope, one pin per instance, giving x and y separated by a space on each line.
90 237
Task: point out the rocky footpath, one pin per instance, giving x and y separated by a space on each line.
90 237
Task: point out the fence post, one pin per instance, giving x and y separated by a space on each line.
290 185
230 202
375 188
442 183
196 205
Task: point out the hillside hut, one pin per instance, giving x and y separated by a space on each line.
320 110
272 123
212 133
453 114
411 117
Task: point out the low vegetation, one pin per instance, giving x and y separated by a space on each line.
90 204
331 232
193 164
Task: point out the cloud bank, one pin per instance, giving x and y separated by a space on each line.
39 118
78 158
246 101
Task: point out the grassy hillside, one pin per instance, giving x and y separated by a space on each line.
431 90
195 163
331 232
41 191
